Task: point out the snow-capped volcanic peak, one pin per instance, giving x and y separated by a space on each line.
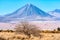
29 10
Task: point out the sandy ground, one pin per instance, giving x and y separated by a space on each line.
44 36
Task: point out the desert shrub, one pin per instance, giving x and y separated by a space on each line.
5 30
0 30
52 35
10 31
47 31
27 29
2 38
58 29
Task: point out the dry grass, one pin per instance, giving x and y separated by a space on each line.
14 36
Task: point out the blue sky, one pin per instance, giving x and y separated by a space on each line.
9 6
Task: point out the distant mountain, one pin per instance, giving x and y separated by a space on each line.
57 10
28 12
56 13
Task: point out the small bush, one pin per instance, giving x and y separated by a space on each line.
27 29
0 30
2 38
58 29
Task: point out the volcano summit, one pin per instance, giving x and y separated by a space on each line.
28 12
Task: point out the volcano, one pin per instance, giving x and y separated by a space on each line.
28 12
